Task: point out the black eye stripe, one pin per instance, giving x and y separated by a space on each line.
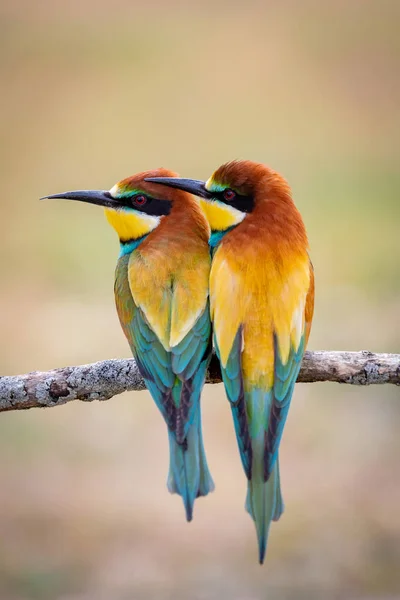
242 203
151 206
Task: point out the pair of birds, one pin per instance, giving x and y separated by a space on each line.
236 263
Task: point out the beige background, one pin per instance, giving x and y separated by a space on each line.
93 91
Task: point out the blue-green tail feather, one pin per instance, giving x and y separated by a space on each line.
264 498
264 504
279 506
189 475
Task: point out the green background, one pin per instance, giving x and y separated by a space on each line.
93 91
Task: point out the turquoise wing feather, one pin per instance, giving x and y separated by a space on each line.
190 359
154 362
232 377
175 379
285 377
276 403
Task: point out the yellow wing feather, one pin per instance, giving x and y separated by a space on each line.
267 295
190 296
171 298
151 290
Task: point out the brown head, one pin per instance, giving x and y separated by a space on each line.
135 207
245 192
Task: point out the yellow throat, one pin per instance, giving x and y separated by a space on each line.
131 224
221 216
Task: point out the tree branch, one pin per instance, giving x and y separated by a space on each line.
105 379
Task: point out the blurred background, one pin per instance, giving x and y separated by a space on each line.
93 91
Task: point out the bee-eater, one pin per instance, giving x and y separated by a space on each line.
262 298
162 299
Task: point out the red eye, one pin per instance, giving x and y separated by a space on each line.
229 195
140 200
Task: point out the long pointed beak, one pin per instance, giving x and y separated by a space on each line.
193 186
99 197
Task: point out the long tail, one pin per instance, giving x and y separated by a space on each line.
264 504
188 470
264 500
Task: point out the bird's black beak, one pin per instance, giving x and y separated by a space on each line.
99 197
193 186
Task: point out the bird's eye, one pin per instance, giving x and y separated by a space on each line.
229 195
140 199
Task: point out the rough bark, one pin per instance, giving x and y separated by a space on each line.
105 379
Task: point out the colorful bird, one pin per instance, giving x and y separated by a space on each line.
262 298
162 298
